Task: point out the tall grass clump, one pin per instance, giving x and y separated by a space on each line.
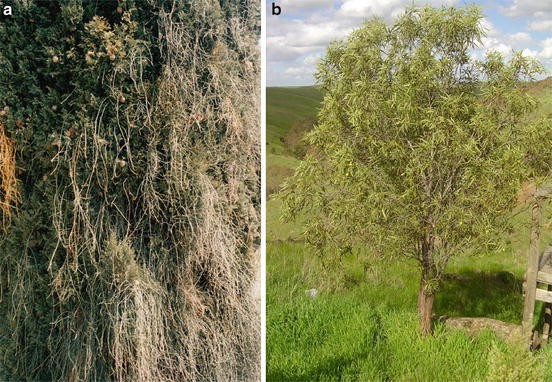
132 256
515 363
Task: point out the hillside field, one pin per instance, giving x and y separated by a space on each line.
363 325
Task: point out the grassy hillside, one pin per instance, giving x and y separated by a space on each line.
362 325
289 112
287 106
542 90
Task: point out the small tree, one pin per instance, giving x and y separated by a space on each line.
420 149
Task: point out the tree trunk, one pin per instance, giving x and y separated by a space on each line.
426 297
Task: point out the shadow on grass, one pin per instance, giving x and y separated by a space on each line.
496 295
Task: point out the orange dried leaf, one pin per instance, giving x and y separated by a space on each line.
9 193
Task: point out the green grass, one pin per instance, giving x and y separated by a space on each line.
543 91
285 107
363 325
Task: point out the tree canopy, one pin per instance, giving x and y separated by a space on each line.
420 147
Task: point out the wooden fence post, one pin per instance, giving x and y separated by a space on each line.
532 269
547 321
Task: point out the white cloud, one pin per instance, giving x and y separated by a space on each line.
294 6
278 49
489 28
387 9
535 8
289 39
493 43
541 25
296 41
544 55
546 51
312 59
505 43
306 67
294 45
362 8
530 53
520 39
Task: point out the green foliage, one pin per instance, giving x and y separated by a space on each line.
135 126
420 149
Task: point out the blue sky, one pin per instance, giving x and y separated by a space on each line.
298 37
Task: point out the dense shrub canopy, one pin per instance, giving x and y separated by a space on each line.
135 127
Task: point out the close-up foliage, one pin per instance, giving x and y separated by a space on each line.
130 190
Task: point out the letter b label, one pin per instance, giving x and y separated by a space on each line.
276 10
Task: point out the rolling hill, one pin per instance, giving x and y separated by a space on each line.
290 112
